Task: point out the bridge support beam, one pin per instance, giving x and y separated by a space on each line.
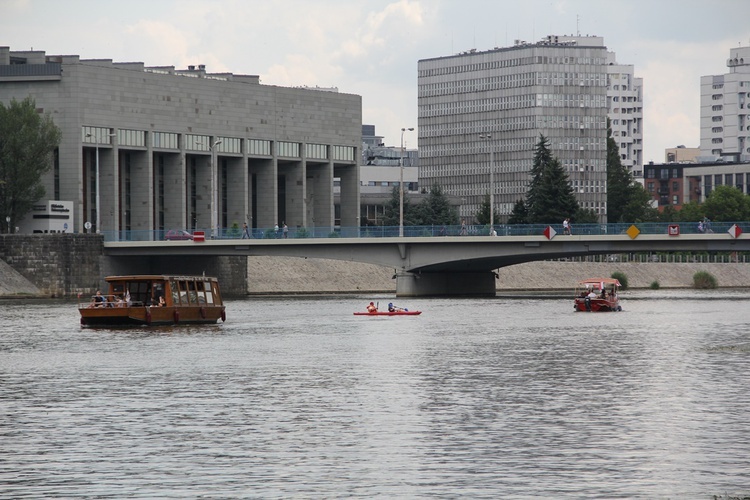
445 284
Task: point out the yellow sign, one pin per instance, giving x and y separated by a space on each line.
633 232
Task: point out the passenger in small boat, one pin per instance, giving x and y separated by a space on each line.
392 308
371 308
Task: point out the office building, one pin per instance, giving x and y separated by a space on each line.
481 106
147 149
625 105
725 99
681 154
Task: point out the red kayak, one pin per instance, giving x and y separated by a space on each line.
386 313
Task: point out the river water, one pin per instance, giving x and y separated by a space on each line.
512 397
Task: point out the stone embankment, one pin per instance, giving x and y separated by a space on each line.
276 275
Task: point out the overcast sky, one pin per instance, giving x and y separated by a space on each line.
371 47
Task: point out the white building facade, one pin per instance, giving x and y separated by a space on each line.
625 105
477 107
725 100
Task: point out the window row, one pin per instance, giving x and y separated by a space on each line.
509 63
205 143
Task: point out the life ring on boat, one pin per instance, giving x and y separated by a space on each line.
176 316
202 310
148 316
223 316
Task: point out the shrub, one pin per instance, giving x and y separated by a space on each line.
302 233
654 285
621 278
334 234
703 279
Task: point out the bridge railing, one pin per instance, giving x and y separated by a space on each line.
433 231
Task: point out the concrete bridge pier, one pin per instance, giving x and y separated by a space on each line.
476 284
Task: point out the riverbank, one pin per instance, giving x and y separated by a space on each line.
288 275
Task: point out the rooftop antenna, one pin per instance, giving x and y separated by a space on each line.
578 30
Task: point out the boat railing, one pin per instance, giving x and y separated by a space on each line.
108 301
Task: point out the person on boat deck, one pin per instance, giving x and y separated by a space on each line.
161 302
592 294
371 308
604 294
99 300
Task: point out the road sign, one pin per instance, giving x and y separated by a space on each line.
735 231
549 232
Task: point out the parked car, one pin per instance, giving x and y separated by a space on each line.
175 234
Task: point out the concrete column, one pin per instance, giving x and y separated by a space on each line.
109 198
141 192
479 284
294 202
349 195
175 198
202 182
265 173
319 205
236 189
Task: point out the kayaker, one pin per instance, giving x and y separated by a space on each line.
392 308
371 308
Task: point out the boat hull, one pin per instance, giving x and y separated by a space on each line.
150 316
597 305
386 313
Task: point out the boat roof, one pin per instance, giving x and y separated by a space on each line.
159 277
597 281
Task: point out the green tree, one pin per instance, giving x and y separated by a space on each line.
519 215
27 142
550 197
690 212
435 209
483 214
727 204
585 216
392 212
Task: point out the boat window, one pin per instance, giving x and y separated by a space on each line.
209 294
139 291
192 292
183 293
217 296
175 293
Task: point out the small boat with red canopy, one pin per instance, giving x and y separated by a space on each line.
155 300
597 295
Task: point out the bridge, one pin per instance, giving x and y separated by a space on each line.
456 265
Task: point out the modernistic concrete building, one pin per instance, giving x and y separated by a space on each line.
477 107
725 106
625 105
188 149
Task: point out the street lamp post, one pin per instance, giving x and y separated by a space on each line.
214 211
488 137
401 185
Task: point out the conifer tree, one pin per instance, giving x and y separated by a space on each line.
550 198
